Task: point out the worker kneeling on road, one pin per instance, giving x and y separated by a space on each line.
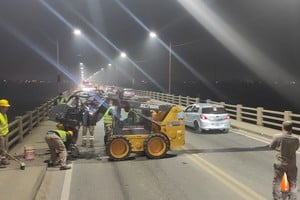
58 141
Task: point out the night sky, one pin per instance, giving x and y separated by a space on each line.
213 39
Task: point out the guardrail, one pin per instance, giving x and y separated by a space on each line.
23 125
258 116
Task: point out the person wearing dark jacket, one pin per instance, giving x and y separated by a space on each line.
286 146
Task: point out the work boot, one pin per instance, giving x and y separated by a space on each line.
83 144
51 164
65 167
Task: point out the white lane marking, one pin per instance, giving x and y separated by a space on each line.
252 137
239 188
267 141
65 193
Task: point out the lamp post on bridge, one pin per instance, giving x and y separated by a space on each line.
57 62
76 32
153 35
170 60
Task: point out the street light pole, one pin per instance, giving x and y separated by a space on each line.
57 61
170 59
170 68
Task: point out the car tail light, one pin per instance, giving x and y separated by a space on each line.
203 117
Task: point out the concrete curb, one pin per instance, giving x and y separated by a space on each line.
38 182
262 131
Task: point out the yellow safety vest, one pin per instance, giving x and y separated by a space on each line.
3 124
60 100
107 118
62 134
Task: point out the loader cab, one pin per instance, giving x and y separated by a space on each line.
133 122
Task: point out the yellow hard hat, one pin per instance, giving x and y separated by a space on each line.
60 126
4 103
71 133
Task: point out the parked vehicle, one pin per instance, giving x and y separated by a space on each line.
111 90
127 93
206 116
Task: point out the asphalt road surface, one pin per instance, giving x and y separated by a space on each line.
210 166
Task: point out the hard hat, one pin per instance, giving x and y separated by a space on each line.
4 103
60 126
71 133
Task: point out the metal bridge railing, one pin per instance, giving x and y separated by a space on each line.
258 116
23 125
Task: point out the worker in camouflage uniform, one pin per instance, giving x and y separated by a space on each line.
286 146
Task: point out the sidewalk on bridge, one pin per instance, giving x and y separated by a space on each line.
263 131
24 184
252 128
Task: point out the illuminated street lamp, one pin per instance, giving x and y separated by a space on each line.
152 34
77 31
123 55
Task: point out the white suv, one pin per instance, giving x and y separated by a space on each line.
206 116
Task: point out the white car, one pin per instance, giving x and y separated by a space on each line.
206 116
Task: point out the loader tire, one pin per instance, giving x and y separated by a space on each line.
156 146
74 151
118 148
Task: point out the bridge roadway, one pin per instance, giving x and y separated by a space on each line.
237 165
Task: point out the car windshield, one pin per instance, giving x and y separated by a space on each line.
214 110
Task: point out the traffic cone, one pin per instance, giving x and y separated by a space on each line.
284 185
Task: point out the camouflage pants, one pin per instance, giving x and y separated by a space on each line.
291 173
3 147
107 131
56 145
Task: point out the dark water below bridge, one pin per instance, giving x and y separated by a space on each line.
26 96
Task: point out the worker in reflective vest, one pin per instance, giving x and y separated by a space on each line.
108 120
57 141
4 105
60 99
